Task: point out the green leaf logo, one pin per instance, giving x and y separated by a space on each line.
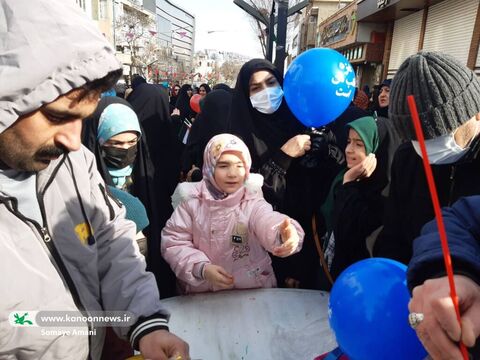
22 320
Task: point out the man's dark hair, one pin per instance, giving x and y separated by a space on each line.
102 84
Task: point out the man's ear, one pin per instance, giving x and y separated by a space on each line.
477 117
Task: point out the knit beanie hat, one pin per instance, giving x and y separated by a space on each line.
446 92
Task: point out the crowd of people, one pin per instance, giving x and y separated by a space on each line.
113 200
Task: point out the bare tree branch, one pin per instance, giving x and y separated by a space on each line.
229 70
264 7
134 31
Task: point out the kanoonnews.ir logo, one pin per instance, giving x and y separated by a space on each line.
21 318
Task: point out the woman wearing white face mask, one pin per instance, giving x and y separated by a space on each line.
277 141
447 94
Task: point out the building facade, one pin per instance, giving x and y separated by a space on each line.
154 38
134 37
450 26
302 27
316 12
100 11
361 43
176 33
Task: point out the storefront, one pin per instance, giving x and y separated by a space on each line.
361 44
451 26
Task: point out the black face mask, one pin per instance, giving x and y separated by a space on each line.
118 157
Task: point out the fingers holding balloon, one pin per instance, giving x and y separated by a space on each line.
307 146
295 147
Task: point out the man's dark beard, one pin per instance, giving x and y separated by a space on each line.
50 151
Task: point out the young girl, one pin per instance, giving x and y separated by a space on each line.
218 238
354 206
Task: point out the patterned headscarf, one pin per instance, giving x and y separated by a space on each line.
218 145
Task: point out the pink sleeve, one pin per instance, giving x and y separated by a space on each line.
178 249
264 222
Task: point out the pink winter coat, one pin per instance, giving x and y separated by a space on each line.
235 233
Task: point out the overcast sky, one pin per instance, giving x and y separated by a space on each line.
233 31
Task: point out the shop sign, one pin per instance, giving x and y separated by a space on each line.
337 30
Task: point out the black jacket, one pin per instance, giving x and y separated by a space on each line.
357 212
409 205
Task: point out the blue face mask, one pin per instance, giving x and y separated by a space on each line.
268 100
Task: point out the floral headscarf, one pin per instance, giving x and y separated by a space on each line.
218 145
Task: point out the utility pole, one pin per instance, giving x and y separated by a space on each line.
270 33
281 34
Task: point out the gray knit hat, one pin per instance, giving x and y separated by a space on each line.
446 92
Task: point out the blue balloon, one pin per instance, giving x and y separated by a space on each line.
319 85
368 311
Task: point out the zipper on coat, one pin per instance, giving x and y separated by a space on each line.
55 257
45 234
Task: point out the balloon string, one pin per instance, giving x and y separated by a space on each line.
438 213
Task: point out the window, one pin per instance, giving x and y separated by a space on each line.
102 9
94 5
81 3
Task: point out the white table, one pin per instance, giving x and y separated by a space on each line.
262 324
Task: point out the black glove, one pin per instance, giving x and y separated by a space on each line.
323 150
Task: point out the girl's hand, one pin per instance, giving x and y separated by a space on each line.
218 276
362 170
290 239
297 146
175 112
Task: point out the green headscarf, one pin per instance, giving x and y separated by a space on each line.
367 129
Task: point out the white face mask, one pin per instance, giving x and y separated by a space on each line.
268 100
443 149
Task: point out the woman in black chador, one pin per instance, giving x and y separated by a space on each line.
144 185
150 102
183 102
278 143
210 122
